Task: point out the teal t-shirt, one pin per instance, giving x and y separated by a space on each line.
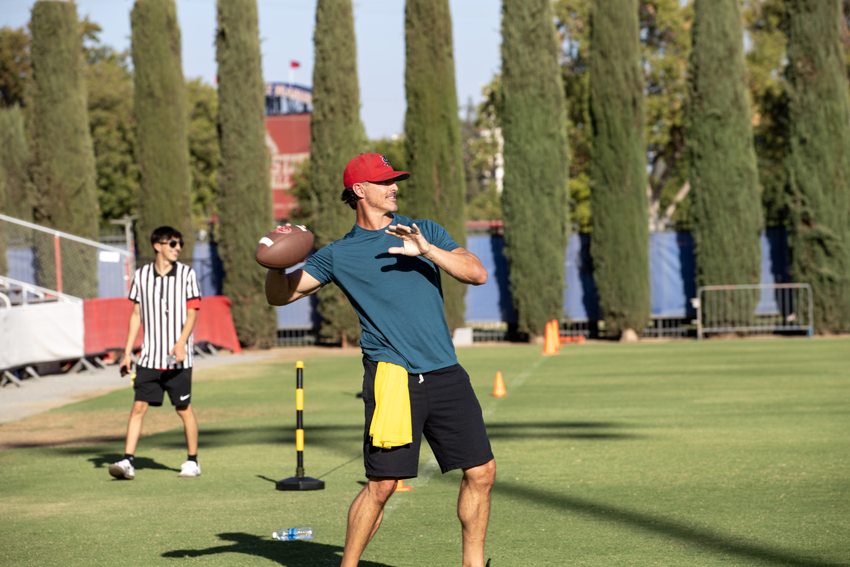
399 299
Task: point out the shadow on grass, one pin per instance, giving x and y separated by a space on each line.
559 430
343 438
286 553
139 463
708 540
94 440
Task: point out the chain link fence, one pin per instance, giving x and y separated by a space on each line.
63 262
754 309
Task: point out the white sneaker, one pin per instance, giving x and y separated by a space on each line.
122 469
189 469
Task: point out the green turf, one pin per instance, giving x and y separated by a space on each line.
698 454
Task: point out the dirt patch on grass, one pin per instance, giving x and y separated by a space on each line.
279 355
57 429
76 429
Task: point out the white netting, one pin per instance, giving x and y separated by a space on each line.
63 262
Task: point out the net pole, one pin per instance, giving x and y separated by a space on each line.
299 481
57 256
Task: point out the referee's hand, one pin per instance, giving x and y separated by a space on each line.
179 352
126 361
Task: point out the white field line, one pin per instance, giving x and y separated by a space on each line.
515 382
430 468
425 473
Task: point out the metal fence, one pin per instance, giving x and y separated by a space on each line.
63 262
754 309
15 293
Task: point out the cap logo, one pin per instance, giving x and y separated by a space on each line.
386 161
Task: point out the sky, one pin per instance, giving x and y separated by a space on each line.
286 34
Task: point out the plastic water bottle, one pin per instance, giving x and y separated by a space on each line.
293 533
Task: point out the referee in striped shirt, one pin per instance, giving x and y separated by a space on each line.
167 299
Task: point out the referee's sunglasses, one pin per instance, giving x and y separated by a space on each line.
173 243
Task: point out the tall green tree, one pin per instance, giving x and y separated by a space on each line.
819 159
63 159
15 67
534 199
203 150
4 231
337 135
244 197
620 236
726 200
766 23
159 104
437 186
113 131
14 159
665 41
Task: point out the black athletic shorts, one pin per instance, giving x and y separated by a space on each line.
444 408
150 383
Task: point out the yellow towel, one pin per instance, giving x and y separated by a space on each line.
391 421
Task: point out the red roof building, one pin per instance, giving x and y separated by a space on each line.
288 140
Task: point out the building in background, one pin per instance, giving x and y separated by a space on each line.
288 112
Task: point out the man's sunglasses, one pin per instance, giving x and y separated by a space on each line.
173 243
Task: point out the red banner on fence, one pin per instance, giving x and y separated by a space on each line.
106 322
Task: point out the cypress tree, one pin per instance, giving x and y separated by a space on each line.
14 154
534 199
4 232
819 160
159 102
726 201
620 224
337 135
437 186
15 198
14 159
64 168
244 194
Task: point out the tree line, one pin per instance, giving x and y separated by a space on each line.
612 117
89 140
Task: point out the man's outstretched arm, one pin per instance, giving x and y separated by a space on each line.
461 264
282 288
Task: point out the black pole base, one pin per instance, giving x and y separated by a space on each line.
300 483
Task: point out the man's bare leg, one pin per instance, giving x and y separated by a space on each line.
364 517
190 426
134 426
473 510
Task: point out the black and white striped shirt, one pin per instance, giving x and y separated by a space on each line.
162 300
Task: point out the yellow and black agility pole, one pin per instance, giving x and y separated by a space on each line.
299 481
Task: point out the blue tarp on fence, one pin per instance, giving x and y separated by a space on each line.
581 302
671 262
491 302
672 277
672 274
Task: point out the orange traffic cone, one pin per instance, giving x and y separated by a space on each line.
499 387
550 344
400 487
556 329
580 339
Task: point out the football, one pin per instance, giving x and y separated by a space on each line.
283 247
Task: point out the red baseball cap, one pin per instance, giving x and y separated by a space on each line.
371 168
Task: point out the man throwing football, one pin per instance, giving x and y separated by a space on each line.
390 268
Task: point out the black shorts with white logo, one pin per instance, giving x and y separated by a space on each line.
444 409
150 383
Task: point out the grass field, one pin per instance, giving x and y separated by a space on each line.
717 453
